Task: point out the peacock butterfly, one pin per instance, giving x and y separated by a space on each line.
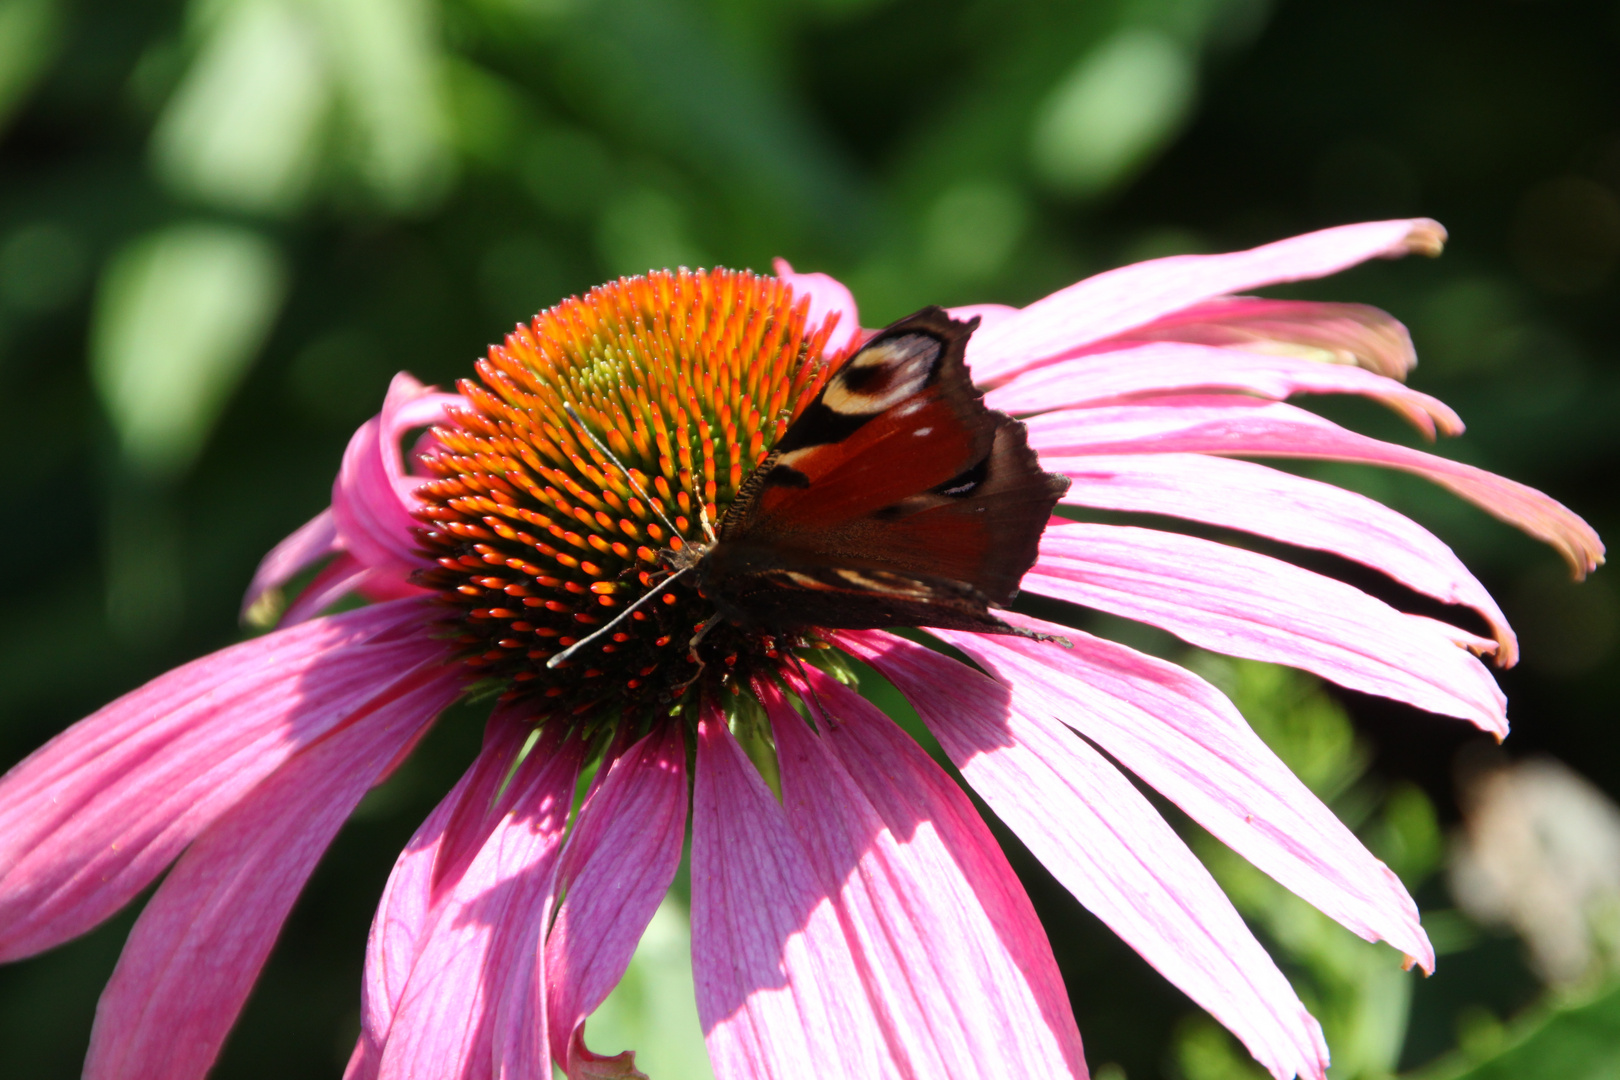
896 498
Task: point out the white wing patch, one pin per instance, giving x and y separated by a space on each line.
886 584
885 375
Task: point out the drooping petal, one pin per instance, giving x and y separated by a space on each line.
486 937
308 544
620 859
374 524
913 794
1244 604
1183 738
522 1047
337 579
407 406
1114 302
431 862
372 497
1333 333
1108 846
1253 498
346 576
951 997
197 949
829 298
778 991
90 818
1176 367
1229 425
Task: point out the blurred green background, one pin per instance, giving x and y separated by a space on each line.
225 223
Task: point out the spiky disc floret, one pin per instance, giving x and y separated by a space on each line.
538 538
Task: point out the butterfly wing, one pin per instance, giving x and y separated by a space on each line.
761 590
896 497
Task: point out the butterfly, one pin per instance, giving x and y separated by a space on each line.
896 498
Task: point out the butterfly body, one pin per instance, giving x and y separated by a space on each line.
896 498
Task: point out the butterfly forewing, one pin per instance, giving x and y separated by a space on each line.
895 498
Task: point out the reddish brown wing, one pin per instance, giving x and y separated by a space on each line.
895 498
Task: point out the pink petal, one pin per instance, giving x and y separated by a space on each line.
483 943
439 852
1237 602
372 500
90 818
407 406
522 1047
1171 367
311 542
829 298
913 794
346 576
1131 296
621 857
778 991
1184 739
1338 333
950 996
1108 846
987 314
197 949
1253 498
337 579
375 523
1226 425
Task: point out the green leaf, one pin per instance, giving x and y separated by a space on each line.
181 314
387 64
1119 105
241 130
1574 1040
30 38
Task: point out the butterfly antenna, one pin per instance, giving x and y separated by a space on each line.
630 476
646 597
708 528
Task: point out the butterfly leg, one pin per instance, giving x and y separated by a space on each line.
702 631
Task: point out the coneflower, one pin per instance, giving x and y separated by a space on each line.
851 914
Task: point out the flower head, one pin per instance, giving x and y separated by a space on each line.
852 916
541 535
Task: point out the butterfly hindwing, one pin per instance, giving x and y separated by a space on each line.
895 498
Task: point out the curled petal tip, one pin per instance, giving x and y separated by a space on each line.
1593 555
583 1064
404 386
1577 542
1426 237
262 610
